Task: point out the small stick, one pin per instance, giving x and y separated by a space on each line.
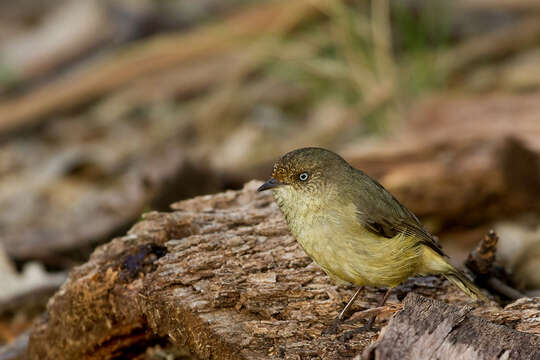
504 289
481 259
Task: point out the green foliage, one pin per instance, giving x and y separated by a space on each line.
7 76
423 28
420 33
368 57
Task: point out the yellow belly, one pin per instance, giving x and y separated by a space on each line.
363 260
330 233
346 251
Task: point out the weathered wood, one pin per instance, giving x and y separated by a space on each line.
222 276
481 261
482 258
430 329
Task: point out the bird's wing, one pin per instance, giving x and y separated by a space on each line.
382 214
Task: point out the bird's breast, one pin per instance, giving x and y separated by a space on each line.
333 237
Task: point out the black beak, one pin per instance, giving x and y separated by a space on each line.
270 184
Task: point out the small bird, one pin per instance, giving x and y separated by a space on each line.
353 228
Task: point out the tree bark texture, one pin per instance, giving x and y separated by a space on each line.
222 276
430 329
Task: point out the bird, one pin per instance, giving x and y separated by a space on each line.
353 228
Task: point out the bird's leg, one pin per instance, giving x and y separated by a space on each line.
381 303
349 334
335 325
349 304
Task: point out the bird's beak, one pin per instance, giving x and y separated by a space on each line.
270 184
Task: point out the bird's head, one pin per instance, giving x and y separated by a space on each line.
307 172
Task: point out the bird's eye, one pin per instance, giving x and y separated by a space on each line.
303 176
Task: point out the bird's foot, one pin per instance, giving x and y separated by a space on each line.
332 329
348 335
370 323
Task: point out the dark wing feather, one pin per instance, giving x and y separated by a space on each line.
383 215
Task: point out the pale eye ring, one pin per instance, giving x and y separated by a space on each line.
303 176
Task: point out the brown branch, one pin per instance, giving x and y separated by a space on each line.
481 259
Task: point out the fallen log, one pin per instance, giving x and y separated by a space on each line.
221 277
430 329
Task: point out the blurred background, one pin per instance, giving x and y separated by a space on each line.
112 108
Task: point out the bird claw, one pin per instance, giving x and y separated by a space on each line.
350 334
332 329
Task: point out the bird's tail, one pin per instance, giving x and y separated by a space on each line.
459 279
435 264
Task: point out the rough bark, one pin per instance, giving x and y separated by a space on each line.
430 329
222 276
